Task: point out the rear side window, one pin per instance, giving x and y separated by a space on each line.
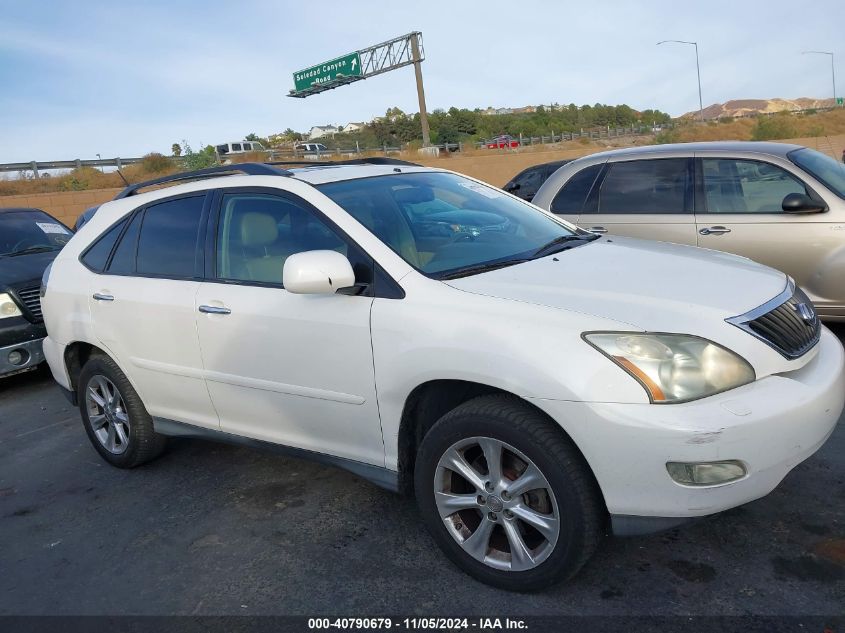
97 255
167 245
571 198
123 260
647 186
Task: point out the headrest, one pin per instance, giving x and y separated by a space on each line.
258 229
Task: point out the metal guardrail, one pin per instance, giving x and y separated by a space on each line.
36 166
593 133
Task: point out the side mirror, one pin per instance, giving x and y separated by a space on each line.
317 272
801 203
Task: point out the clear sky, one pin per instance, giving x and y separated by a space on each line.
126 78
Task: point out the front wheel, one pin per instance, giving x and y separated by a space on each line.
506 495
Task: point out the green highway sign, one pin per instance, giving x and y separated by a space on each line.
346 66
840 101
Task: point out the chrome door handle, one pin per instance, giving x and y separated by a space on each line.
714 230
214 310
99 296
597 229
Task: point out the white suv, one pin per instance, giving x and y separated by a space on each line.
529 382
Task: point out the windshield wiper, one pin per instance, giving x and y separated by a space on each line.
31 249
481 268
560 243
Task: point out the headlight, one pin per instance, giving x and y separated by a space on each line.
674 367
8 308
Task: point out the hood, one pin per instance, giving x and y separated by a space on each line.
22 269
654 286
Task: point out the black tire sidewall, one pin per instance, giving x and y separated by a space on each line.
141 431
565 559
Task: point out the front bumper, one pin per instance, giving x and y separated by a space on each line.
771 425
30 352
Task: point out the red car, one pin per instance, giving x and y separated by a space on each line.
500 142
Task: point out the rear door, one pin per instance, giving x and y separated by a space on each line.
739 210
647 198
143 307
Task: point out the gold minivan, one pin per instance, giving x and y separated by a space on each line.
780 205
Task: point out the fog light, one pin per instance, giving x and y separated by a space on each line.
706 473
17 357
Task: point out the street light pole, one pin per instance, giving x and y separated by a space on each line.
832 69
697 70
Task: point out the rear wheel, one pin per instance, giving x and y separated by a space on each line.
506 495
115 419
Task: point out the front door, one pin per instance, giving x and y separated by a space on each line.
741 212
650 199
281 367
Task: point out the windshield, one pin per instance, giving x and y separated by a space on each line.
30 231
823 168
441 223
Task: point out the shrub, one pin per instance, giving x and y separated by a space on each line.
155 163
769 128
667 136
192 160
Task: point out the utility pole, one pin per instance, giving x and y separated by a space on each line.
832 69
697 69
415 55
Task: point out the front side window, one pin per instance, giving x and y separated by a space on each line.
28 231
236 147
746 186
571 198
646 186
443 223
257 232
167 244
823 168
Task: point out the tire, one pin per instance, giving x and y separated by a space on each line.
123 434
559 521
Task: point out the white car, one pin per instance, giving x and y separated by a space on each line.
529 382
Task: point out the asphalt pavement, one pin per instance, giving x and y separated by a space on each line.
209 529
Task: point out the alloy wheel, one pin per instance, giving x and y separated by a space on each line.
496 504
107 414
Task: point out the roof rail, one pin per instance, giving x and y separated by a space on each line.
249 169
374 160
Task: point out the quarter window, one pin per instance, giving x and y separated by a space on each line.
167 245
647 186
123 260
97 256
258 232
746 186
571 198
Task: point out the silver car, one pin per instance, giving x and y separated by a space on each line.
778 204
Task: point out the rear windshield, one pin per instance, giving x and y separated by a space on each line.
828 171
30 232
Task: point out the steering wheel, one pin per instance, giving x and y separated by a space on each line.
19 246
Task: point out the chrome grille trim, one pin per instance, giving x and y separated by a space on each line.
779 324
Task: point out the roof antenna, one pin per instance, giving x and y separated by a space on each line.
122 177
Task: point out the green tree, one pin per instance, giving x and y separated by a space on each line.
176 149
